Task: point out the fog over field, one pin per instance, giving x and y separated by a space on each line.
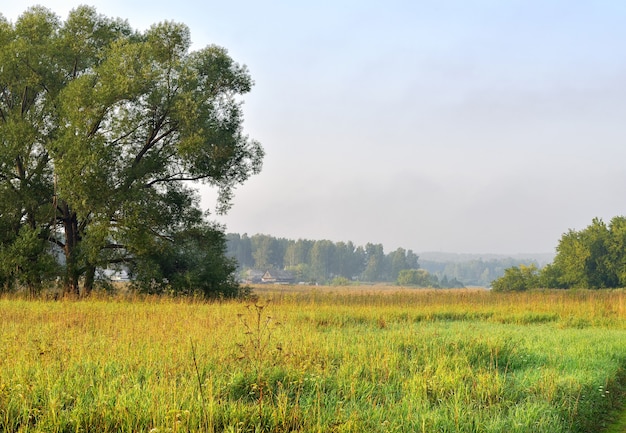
467 127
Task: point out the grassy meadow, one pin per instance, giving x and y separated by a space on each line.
316 360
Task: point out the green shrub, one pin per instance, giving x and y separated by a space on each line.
517 279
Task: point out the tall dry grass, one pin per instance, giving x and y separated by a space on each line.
357 359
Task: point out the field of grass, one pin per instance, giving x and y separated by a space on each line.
316 360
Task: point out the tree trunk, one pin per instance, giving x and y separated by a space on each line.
90 273
72 274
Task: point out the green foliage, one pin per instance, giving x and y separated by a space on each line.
26 262
592 258
340 281
320 260
266 251
446 283
416 277
550 277
191 262
301 272
102 131
517 279
374 263
399 260
473 271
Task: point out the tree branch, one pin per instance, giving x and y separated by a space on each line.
128 134
151 142
43 161
56 242
97 123
127 259
175 179
83 223
115 246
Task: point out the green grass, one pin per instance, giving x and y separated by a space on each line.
375 360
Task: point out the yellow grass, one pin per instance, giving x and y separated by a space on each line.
315 359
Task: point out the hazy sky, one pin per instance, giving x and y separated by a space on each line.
473 126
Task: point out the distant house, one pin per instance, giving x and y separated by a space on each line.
277 277
253 276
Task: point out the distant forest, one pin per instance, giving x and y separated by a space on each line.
324 261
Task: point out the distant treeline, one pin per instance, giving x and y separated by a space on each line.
475 272
319 261
323 261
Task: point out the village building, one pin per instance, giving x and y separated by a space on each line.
277 277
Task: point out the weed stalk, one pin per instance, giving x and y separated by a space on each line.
195 364
258 331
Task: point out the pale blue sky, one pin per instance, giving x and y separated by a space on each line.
458 126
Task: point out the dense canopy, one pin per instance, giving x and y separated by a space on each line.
592 258
104 131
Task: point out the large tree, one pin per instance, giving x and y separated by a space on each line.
589 258
105 131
